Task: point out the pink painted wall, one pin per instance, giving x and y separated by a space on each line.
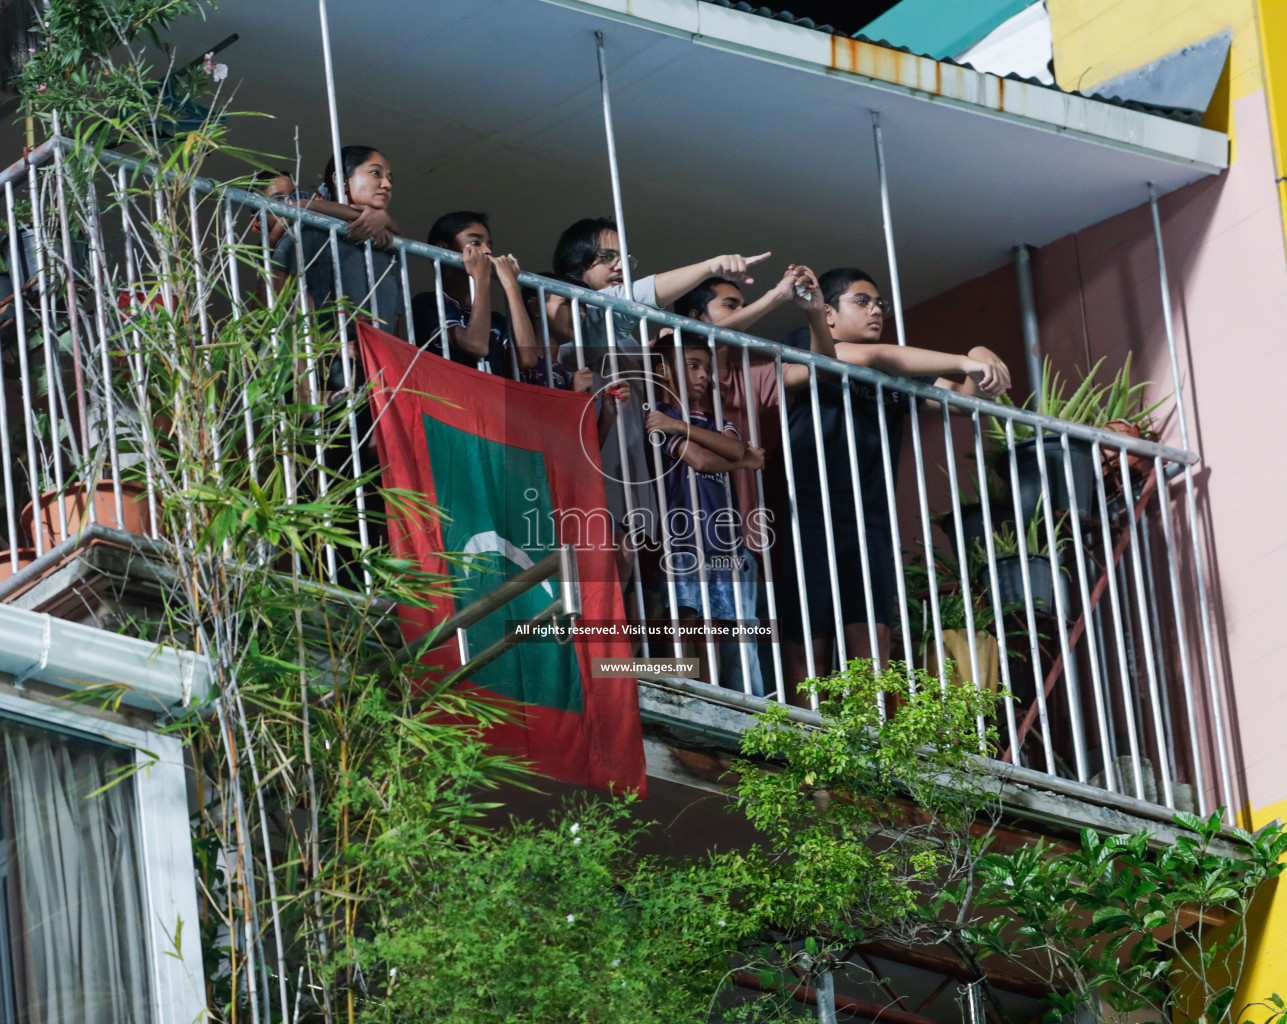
1098 295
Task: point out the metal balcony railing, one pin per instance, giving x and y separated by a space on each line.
1073 581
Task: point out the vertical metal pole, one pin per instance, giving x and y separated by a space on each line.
896 297
618 211
1150 663
860 517
949 454
1191 501
993 586
1167 319
1071 689
341 193
770 592
895 290
703 582
826 997
793 508
16 277
828 524
135 355
1025 572
733 503
1181 635
1083 584
1028 316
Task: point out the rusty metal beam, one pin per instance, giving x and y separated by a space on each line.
806 994
940 960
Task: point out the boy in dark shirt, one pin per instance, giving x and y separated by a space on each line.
856 315
701 521
477 335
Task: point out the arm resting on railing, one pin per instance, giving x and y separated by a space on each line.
527 351
986 375
364 221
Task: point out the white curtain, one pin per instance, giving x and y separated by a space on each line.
76 908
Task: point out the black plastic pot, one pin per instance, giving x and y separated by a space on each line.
26 268
971 524
1010 582
1083 474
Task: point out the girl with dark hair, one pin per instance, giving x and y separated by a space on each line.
372 293
364 221
477 335
589 252
375 296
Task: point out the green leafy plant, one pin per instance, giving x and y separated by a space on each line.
829 790
1005 541
1087 403
1123 923
563 920
1123 402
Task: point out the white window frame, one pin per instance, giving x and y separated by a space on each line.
167 872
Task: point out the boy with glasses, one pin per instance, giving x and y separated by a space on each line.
856 315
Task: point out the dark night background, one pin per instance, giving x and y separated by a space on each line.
846 16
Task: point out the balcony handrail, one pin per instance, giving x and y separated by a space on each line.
653 314
1124 716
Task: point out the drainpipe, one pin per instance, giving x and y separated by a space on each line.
1028 314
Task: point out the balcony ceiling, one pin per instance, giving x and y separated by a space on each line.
494 105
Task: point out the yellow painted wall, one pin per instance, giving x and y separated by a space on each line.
1266 971
1273 42
1095 40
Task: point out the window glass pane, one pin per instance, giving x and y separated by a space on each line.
74 938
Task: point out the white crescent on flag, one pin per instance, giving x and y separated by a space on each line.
491 541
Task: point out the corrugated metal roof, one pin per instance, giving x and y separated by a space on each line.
1187 116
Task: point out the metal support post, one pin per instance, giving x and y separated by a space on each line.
341 192
896 297
826 993
1226 795
618 211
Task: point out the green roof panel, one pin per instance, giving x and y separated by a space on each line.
942 28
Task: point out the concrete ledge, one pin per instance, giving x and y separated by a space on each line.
711 720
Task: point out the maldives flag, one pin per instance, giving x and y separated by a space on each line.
515 469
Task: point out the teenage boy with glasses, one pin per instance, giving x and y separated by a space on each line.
856 315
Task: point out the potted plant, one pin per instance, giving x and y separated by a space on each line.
15 279
1009 564
1124 412
74 499
956 620
1088 404
970 506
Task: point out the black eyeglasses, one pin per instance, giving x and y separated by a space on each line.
610 256
862 300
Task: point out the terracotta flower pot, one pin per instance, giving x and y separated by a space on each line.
133 499
25 557
1109 457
